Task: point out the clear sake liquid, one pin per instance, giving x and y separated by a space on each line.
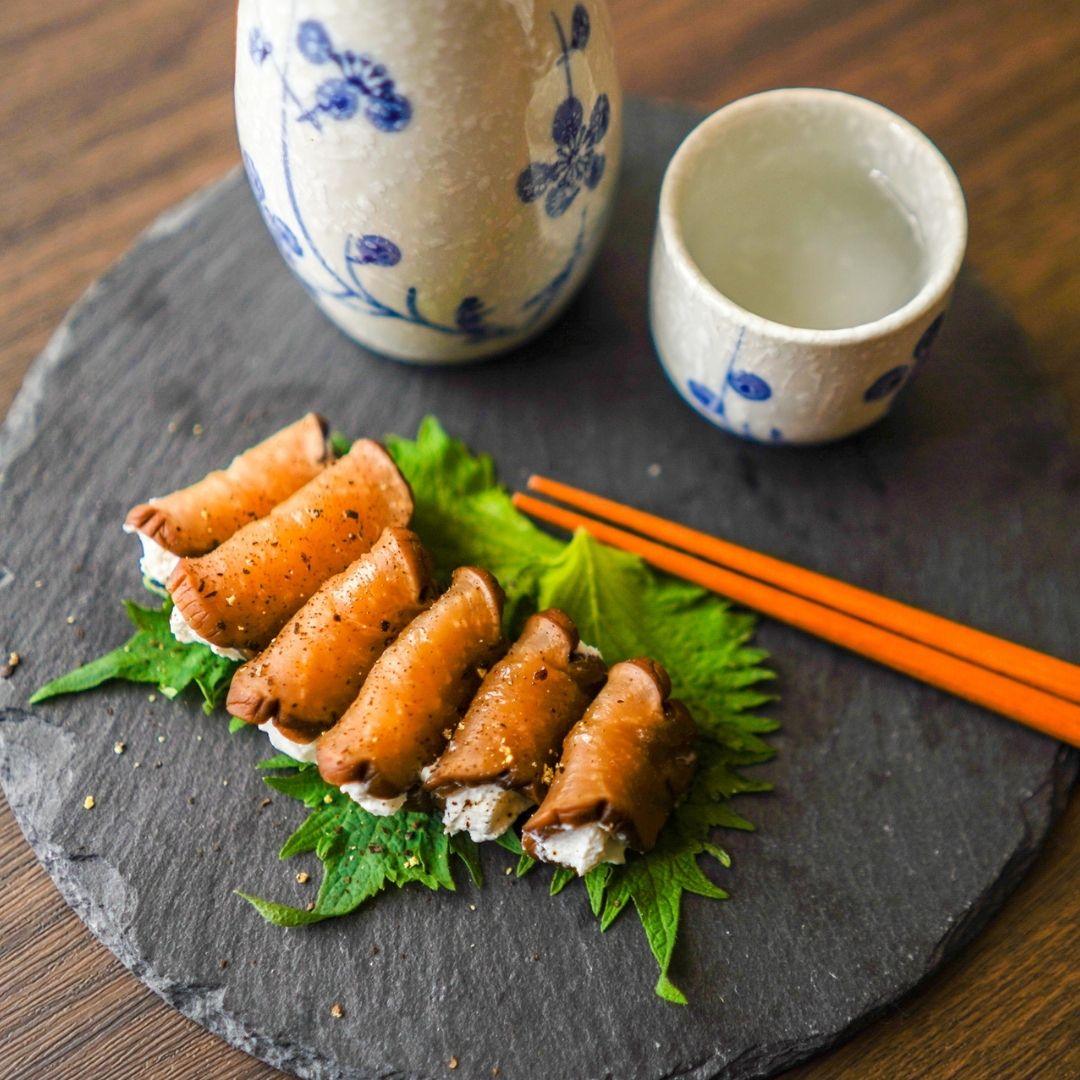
817 244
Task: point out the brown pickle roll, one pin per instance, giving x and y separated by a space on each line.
195 519
244 591
624 765
529 700
310 673
414 695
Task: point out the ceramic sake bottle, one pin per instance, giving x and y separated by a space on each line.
437 173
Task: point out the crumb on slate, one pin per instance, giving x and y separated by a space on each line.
303 877
70 620
119 746
197 430
336 1010
310 905
452 1063
224 964
88 803
8 669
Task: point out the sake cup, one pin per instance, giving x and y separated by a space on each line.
806 248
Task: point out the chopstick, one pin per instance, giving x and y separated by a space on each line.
1005 657
1017 700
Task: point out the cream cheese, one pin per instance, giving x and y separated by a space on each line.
357 791
484 811
186 636
298 750
581 847
156 563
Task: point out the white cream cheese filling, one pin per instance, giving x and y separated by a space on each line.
357 791
484 811
587 650
156 562
186 636
581 847
298 750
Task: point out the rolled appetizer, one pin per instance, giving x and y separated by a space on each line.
500 759
237 597
310 673
414 696
624 766
195 519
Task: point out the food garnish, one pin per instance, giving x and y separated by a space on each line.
616 603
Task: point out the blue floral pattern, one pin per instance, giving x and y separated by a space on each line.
746 384
258 46
926 342
577 161
283 236
887 384
362 84
895 377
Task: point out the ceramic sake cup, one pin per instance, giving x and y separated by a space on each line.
761 379
437 173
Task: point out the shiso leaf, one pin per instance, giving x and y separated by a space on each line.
361 853
150 655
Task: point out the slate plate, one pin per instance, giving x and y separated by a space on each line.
901 818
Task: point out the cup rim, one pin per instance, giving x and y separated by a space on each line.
934 289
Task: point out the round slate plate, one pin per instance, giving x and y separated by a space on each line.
900 818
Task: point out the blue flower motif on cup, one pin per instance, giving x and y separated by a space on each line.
929 336
748 385
253 179
373 250
283 236
258 46
703 395
577 159
362 84
887 384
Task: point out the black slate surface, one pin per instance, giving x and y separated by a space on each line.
900 819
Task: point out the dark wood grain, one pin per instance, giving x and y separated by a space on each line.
110 112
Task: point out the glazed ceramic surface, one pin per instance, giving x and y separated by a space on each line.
764 380
437 173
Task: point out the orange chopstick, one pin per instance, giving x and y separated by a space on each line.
1045 712
1005 657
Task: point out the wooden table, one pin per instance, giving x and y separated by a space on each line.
112 110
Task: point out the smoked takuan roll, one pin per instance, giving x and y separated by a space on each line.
415 694
501 758
311 672
624 766
242 593
195 519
